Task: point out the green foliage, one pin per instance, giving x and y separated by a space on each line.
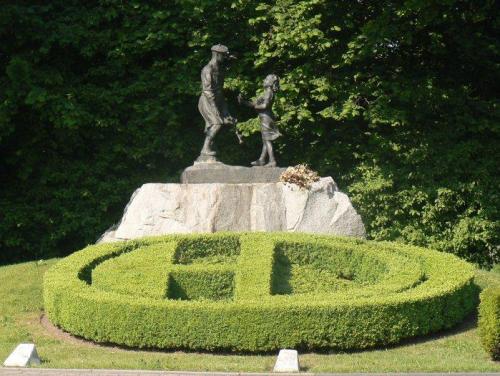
197 270
489 321
273 295
201 283
135 273
396 100
217 249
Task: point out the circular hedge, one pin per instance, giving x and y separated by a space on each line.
257 292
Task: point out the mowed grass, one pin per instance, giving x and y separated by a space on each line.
21 306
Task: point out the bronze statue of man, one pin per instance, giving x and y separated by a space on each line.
212 104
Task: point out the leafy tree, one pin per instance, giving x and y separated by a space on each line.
395 99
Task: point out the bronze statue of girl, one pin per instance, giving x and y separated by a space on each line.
263 106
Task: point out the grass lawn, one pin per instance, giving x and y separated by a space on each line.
21 306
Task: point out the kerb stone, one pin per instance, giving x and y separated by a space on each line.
24 355
288 361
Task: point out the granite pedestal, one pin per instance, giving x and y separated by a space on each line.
217 197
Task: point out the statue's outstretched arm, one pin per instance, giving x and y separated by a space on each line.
244 101
263 102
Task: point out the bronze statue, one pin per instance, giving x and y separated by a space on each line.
263 106
212 104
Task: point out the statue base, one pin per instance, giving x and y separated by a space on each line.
158 209
217 172
206 158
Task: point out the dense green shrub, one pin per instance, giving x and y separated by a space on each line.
126 275
283 290
143 272
397 100
489 321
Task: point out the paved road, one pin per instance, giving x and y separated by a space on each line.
103 372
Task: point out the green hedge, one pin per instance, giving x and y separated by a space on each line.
489 321
125 275
257 292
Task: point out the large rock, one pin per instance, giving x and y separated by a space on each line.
156 209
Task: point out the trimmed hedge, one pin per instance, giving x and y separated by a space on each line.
489 321
257 292
126 275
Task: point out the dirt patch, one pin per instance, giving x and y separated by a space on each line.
55 332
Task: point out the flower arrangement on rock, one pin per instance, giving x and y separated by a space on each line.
300 175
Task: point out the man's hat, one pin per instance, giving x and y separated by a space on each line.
221 49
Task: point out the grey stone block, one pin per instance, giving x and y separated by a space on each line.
288 361
24 355
216 172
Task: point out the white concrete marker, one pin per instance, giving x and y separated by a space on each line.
288 361
24 355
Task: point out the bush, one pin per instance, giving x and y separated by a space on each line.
489 321
257 292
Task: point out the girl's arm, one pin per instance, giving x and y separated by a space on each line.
245 102
263 102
